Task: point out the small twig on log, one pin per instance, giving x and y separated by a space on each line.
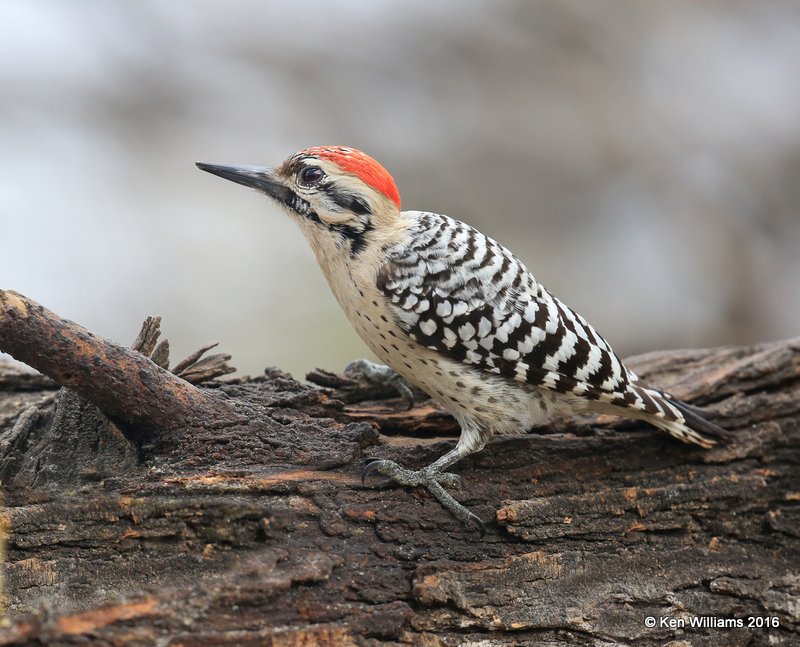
196 370
194 357
192 369
122 382
160 355
207 368
350 388
148 336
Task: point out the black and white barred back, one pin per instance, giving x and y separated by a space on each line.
460 293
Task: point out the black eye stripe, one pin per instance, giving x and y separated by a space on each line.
348 201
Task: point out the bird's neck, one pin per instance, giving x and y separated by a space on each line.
352 276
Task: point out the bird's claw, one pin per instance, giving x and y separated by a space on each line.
372 465
381 375
448 479
429 479
408 477
473 518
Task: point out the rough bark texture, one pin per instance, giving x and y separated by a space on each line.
262 532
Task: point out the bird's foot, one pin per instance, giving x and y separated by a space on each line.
432 480
405 476
380 375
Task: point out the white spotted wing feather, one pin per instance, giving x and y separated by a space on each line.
458 292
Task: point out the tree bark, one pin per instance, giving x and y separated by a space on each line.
260 531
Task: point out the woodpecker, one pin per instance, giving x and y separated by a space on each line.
454 312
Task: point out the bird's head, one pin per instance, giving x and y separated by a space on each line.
340 196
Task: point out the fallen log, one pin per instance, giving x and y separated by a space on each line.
259 530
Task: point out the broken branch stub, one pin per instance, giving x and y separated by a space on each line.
124 383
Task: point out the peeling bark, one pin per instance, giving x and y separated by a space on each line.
261 532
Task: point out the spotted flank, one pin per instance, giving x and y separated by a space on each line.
458 292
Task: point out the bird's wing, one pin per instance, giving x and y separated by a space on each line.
458 292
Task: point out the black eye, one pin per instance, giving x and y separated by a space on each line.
311 175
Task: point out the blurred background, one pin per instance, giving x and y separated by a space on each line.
643 159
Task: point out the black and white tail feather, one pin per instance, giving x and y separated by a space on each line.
680 420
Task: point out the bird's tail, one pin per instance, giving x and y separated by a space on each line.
680 420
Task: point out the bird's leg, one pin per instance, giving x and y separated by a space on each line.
381 375
432 477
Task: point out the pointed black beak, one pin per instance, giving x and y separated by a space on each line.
256 177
